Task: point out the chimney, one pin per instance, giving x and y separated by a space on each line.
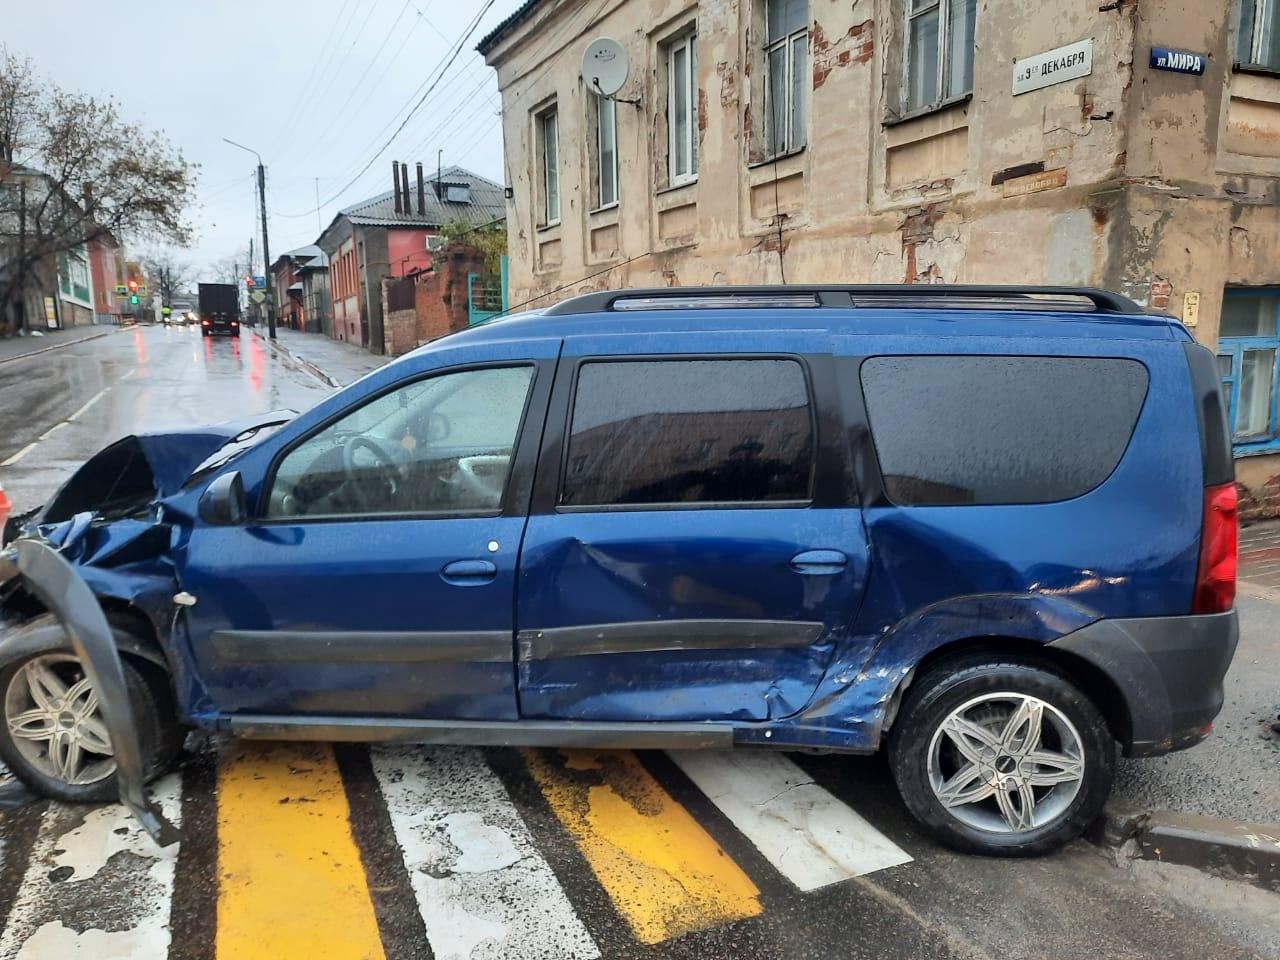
404 187
422 194
395 183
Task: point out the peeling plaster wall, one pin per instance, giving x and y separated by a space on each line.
868 199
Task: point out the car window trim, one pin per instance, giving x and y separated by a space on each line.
259 517
573 374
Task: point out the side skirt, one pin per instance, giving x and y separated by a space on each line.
481 733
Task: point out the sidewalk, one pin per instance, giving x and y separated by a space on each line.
335 361
11 348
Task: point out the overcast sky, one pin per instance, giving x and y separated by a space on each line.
315 87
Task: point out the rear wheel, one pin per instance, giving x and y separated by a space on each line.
54 738
1001 758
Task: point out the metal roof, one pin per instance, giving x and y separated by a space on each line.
493 36
488 202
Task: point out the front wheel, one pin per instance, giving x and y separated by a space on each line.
53 736
1000 757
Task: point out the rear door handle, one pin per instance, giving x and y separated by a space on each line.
468 572
819 561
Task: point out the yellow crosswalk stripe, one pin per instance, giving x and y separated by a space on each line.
664 872
291 882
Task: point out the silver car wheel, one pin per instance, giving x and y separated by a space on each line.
1006 763
52 715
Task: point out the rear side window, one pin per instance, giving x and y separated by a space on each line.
989 430
689 431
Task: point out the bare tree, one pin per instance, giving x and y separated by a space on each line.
72 171
169 276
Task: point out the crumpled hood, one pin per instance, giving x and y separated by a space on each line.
144 467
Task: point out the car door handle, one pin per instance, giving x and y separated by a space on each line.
468 572
819 561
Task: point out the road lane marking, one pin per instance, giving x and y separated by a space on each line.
481 885
95 886
664 872
291 881
52 430
92 400
20 454
812 838
126 376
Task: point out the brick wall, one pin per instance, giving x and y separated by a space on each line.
1260 503
429 305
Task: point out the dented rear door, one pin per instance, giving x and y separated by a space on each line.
694 550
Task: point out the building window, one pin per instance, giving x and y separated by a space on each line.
786 79
1258 36
682 110
938 64
549 163
1248 345
606 151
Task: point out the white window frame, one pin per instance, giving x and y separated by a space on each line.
944 48
771 44
602 203
1262 11
688 150
550 165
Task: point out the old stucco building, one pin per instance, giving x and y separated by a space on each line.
917 141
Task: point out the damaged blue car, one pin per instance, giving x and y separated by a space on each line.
989 529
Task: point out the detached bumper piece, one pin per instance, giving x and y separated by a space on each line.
1169 670
57 585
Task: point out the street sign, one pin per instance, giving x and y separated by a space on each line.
249 281
1177 61
258 296
1053 66
260 282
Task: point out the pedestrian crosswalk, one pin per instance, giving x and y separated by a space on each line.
494 849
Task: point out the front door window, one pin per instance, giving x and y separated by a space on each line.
441 445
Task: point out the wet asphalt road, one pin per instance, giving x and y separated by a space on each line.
60 407
504 853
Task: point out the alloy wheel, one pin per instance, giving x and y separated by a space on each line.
1006 763
53 717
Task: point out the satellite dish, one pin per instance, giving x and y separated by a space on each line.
604 66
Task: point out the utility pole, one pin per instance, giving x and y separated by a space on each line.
266 245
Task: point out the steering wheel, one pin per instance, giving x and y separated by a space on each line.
482 475
358 476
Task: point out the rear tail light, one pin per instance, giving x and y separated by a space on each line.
1219 550
6 505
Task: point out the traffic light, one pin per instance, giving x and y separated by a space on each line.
133 288
135 299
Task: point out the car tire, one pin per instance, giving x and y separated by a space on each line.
961 741
160 738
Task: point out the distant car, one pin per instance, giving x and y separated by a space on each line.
991 530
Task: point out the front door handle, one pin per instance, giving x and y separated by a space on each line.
819 561
468 572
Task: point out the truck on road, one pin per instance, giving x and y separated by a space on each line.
219 309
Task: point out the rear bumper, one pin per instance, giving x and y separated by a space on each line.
1169 671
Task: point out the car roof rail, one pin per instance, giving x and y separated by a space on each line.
903 296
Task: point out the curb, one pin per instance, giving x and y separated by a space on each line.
1230 849
59 346
319 373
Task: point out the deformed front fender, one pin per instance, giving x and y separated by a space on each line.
57 585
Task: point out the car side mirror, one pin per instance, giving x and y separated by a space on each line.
222 503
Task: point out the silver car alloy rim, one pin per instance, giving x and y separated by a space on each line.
53 718
1006 763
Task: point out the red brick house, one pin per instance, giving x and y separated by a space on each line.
387 236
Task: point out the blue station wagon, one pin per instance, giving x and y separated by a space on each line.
989 529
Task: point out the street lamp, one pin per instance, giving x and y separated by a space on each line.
266 247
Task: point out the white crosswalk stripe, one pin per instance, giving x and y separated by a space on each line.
812 838
482 887
95 886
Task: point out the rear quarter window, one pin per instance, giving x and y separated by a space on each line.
999 430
